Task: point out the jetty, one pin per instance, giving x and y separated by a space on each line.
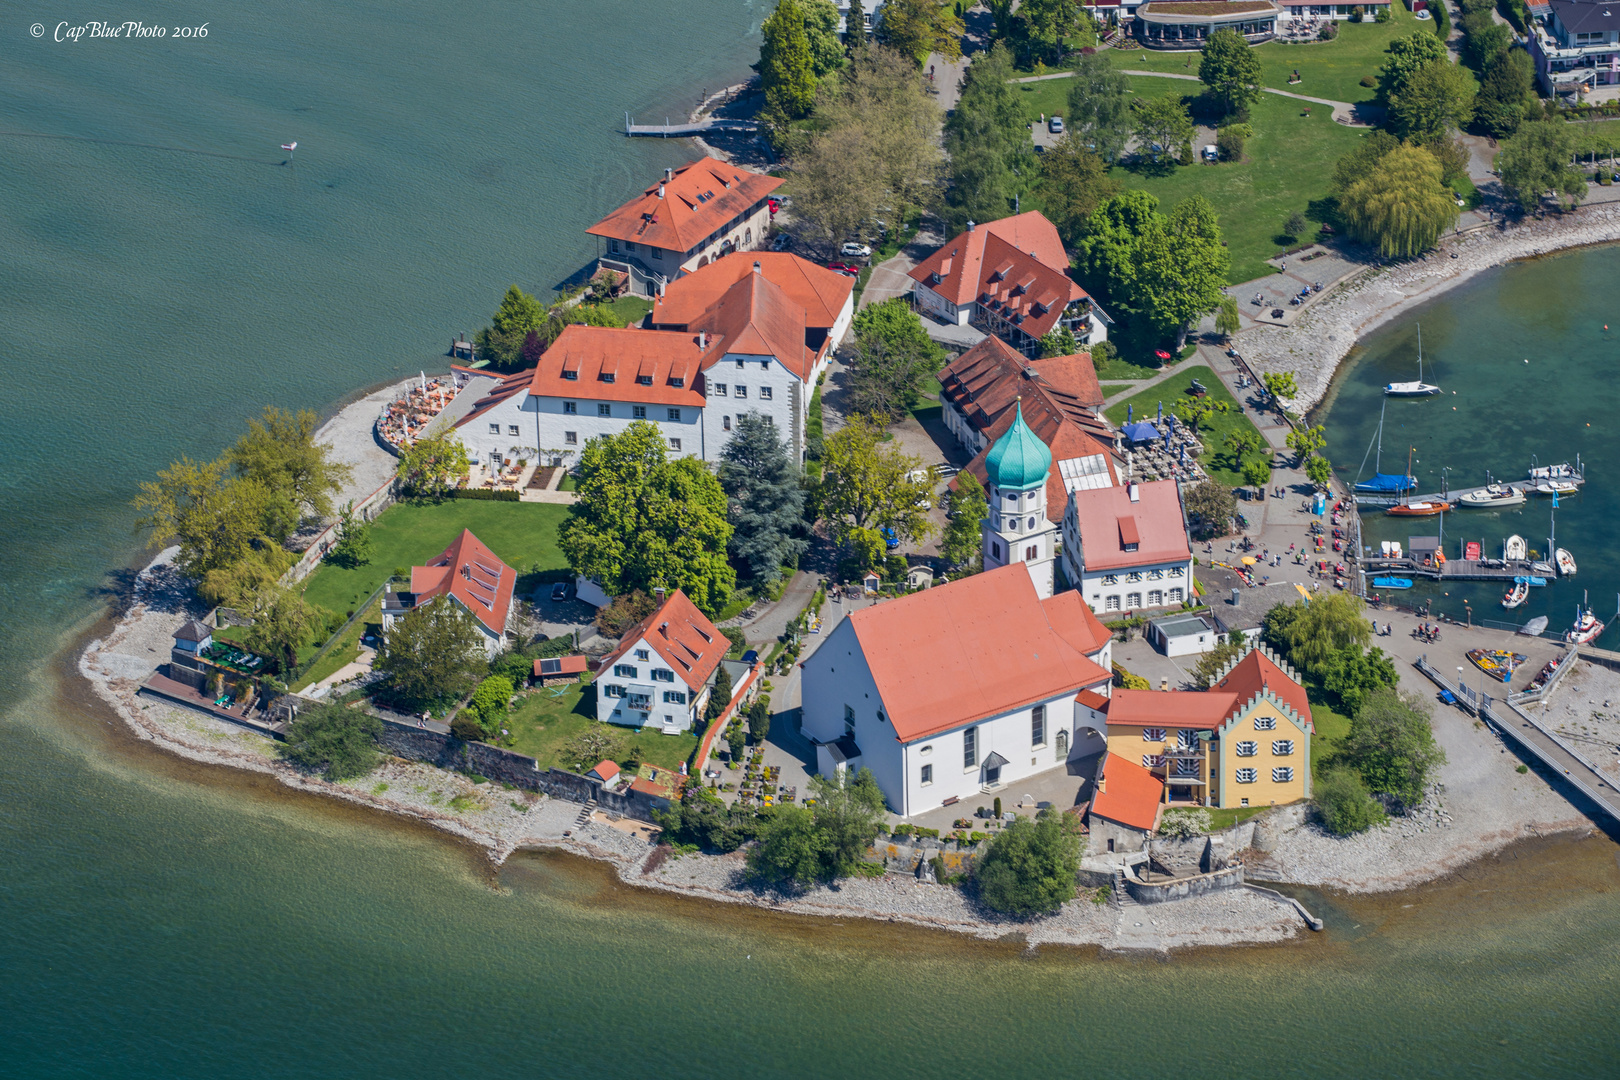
1364 499
686 129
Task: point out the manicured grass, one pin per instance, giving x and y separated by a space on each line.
1112 388
347 649
523 535
1328 69
632 309
1215 427
1220 818
927 400
542 725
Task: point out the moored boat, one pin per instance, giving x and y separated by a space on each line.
1499 664
1493 495
1586 629
1413 389
1534 627
1392 582
1543 676
1554 472
1542 570
1418 509
1556 487
1515 550
1517 595
1565 561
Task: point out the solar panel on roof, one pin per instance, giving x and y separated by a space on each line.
550 667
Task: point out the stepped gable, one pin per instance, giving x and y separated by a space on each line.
968 650
1260 670
679 214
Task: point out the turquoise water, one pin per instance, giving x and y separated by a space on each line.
1496 414
167 920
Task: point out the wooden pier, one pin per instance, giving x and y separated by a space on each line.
1365 499
1452 569
686 130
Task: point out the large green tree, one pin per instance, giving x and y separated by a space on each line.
1346 806
1484 39
799 847
1406 55
1210 506
643 520
916 28
501 342
1535 162
1431 101
1362 162
1182 268
1231 70
764 498
1402 206
432 655
1353 674
282 622
1312 632
868 485
1165 122
433 464
333 739
987 138
1100 106
965 511
893 353
280 452
786 67
1391 744
1030 866
1043 24
1074 182
1107 254
821 33
1507 94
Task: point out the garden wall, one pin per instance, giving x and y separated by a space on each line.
1163 892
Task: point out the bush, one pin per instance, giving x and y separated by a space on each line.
1381 15
1229 141
486 494
466 727
1344 802
489 701
1126 681
1329 32
1030 866
1391 744
1368 80
1183 824
335 740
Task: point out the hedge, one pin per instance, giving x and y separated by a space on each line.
486 494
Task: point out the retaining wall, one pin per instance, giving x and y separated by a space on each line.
1181 888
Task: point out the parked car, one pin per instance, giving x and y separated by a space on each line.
775 204
782 242
891 540
1055 125
845 268
856 250
559 592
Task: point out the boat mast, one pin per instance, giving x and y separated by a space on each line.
1420 352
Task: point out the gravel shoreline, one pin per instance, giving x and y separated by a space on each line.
1326 332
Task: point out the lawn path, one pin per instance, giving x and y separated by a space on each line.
1343 111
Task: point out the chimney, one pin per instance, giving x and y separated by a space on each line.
756 266
669 175
970 224
663 628
1134 491
660 191
703 345
466 571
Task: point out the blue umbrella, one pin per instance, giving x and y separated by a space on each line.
1184 453
1167 440
1130 413
1161 410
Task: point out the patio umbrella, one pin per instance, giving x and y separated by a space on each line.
1130 412
1167 440
1161 411
1184 453
1249 560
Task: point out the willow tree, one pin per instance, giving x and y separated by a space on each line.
1402 207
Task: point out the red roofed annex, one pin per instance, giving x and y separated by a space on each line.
470 575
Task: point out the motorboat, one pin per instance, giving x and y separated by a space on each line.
1493 495
1586 629
1554 472
1392 582
1413 389
1536 582
1565 561
1544 676
1418 509
1534 627
1556 487
1517 595
1499 664
1515 550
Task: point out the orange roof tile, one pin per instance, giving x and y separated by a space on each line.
1256 671
973 648
1128 794
701 199
755 317
682 635
1015 266
471 573
1063 436
1074 620
822 293
606 771
1108 520
592 352
1201 709
1092 700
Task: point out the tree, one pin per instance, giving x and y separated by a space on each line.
736 738
617 617
1107 254
281 623
1059 342
1311 633
1230 140
431 466
1507 94
701 818
719 694
490 701
764 498
1352 675
987 139
1226 318
965 511
279 451
501 342
1319 471
1181 268
865 486
432 655
333 739
789 850
1305 441
1432 100
353 547
1240 443
821 34
1403 207
1295 224
1406 55
228 528
1281 384
1099 107
1347 808
1164 122
1257 472
916 28
1391 744
1211 664
1362 162
642 520
1536 161
1030 866
533 349
1210 507
786 69
1074 182
1231 70
592 746
800 847
759 721
833 194
1485 40
893 353
1043 24
1193 411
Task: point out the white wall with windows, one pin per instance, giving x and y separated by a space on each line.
740 384
642 690
551 428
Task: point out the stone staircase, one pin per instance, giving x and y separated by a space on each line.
1121 899
585 814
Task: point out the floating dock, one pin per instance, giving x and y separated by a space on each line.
1370 501
686 130
1451 569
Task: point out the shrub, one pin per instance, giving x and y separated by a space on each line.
489 701
1368 80
466 727
1127 681
1344 802
1183 824
1030 866
485 494
333 739
1391 744
1381 15
1329 32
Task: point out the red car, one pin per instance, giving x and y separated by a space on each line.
775 204
845 268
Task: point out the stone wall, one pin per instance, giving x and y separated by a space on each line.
1181 888
903 853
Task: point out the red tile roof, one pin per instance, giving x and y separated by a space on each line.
682 635
1075 622
590 352
1204 710
566 665
755 317
605 771
704 196
971 649
1092 700
1016 267
504 389
1108 520
471 573
1128 794
1255 672
822 293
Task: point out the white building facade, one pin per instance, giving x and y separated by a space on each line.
1125 548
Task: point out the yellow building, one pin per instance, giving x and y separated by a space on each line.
1246 741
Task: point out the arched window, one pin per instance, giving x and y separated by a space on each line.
748 236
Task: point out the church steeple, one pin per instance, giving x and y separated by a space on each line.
1016 528
1018 461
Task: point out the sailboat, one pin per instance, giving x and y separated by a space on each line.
1413 389
1384 483
1416 509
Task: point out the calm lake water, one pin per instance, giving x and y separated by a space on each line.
165 275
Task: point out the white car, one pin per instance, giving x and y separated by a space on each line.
856 250
1055 125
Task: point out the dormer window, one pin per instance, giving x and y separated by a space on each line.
606 376
676 381
644 380
571 376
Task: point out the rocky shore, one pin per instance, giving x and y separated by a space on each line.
1326 332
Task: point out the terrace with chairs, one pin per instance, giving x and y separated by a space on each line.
408 418
1169 24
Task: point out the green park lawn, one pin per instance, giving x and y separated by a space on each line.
1112 388
523 535
632 309
541 725
1215 460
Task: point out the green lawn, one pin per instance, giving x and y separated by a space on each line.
1331 727
632 309
541 726
1224 818
927 400
1215 427
524 535
1112 388
346 650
